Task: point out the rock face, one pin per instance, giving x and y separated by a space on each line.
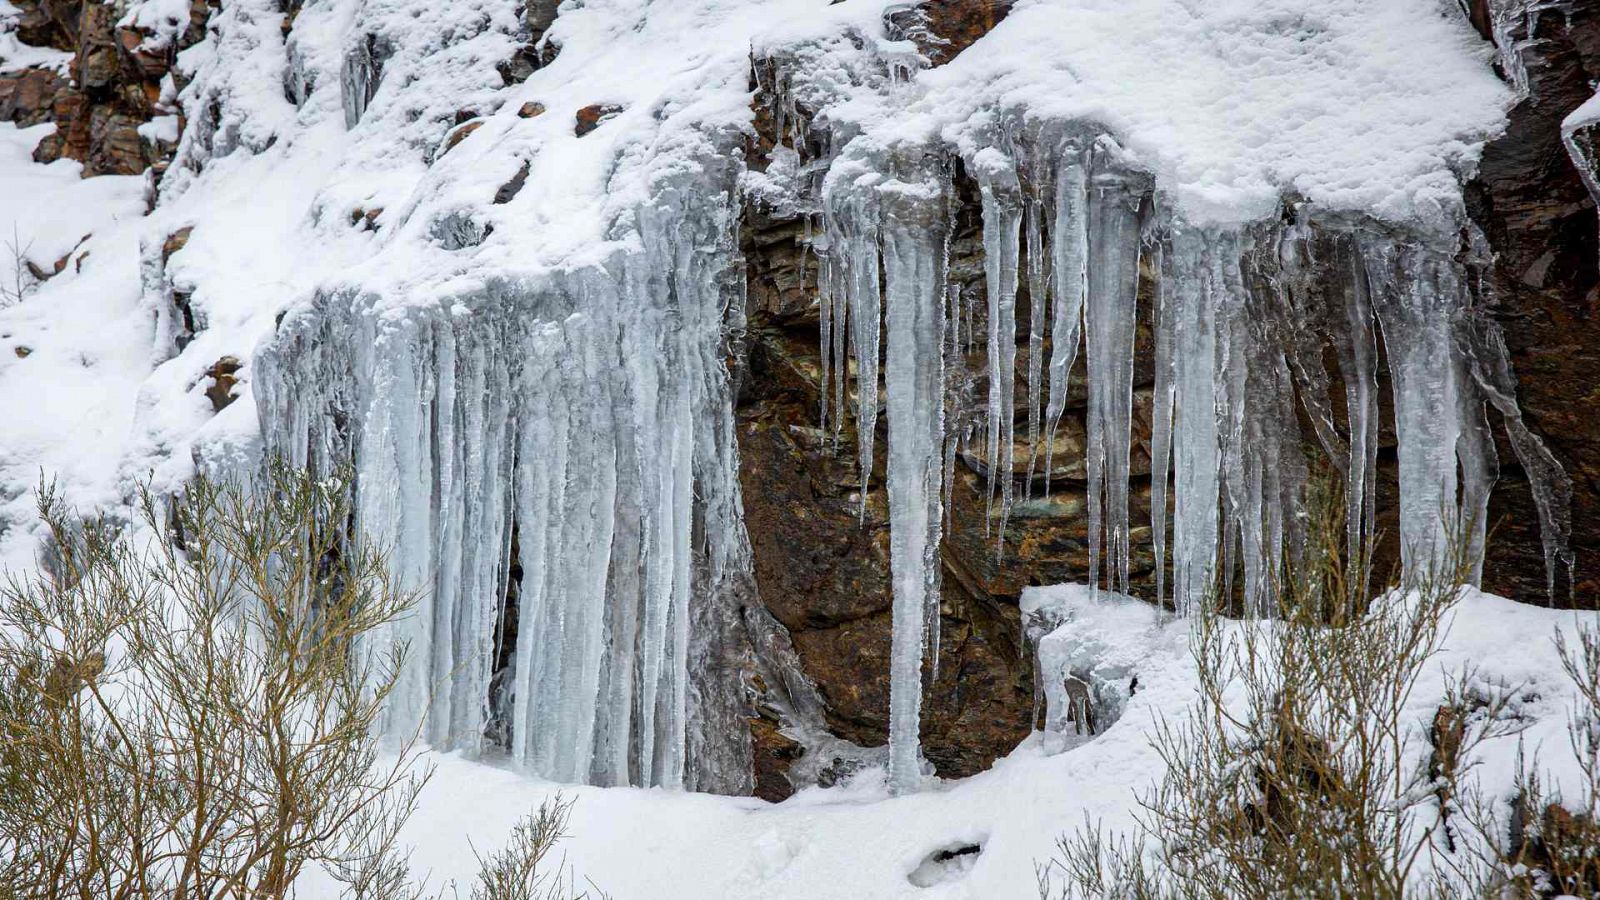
941 29
820 546
114 84
822 562
1540 222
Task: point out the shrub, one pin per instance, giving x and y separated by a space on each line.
186 707
1297 773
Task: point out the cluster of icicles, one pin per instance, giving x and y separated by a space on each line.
1243 319
554 474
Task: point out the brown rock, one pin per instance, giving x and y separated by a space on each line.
774 753
28 97
113 87
37 27
175 241
530 109
224 378
941 29
458 134
1541 223
510 189
593 116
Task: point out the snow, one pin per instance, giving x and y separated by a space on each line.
71 354
587 312
856 841
1366 104
15 55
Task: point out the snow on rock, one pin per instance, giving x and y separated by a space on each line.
1090 646
520 342
15 55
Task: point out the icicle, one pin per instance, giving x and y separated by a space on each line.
1358 363
1480 467
1191 284
914 373
859 229
1416 299
1161 416
1490 364
1069 235
997 180
825 307
1038 274
1113 285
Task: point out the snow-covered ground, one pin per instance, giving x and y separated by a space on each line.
856 841
74 353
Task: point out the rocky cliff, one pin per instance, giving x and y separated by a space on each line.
820 550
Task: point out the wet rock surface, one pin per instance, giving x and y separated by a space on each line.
1540 222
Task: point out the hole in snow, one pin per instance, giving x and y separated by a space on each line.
950 863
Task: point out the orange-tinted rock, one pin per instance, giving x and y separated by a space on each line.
774 753
458 134
28 97
530 109
175 241
941 29
593 116
113 85
224 378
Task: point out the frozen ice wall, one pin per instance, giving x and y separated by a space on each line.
517 332
566 444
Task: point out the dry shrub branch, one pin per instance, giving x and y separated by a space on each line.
1298 773
192 716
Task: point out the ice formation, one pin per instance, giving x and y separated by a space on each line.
1247 307
530 382
576 428
1243 317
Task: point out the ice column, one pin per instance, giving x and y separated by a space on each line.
1416 298
1069 261
886 213
914 270
1113 287
1191 283
1002 219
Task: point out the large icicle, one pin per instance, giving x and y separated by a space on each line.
853 261
1002 220
1113 287
1161 415
899 204
914 270
1418 297
1069 264
1191 281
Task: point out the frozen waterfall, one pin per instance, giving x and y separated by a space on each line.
1244 317
569 443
